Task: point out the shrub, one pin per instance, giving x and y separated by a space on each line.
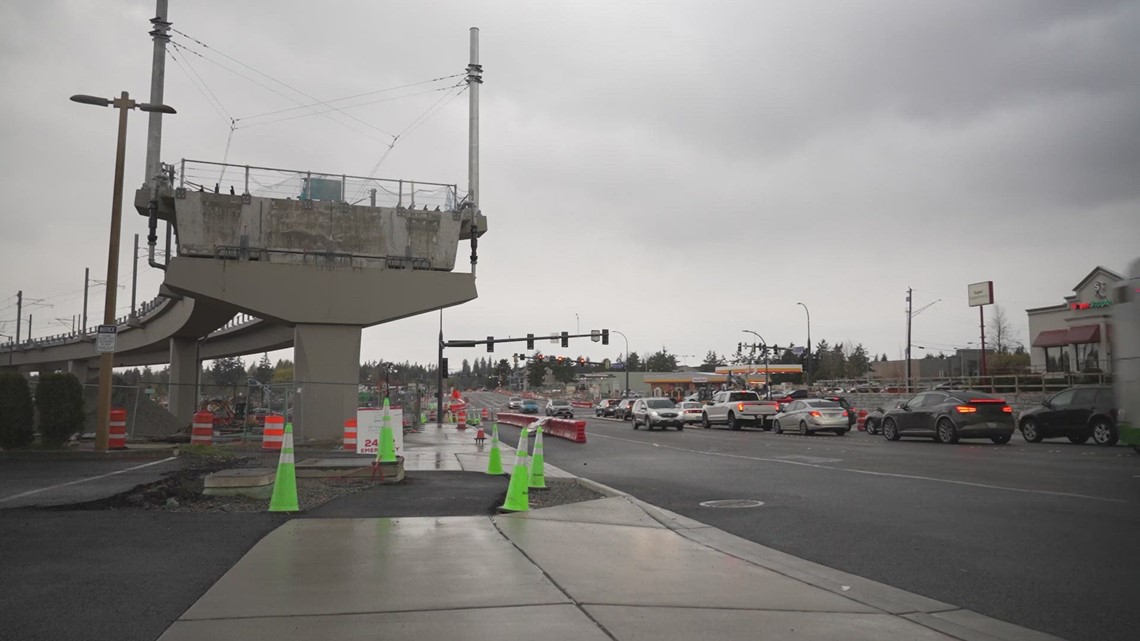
59 399
16 412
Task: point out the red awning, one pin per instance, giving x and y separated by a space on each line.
1052 338
1084 334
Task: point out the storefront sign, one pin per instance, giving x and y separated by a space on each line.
1092 305
980 294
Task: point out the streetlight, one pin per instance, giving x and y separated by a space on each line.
123 103
626 359
807 374
767 378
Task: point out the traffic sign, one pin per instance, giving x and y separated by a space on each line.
105 338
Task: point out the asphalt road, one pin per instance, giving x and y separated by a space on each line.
1041 535
59 482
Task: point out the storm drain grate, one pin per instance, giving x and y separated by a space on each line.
732 503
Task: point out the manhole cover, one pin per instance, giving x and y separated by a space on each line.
732 503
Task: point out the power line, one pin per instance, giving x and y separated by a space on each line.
196 79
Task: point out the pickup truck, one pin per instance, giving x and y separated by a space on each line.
737 408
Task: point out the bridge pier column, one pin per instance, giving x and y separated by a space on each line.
184 370
79 368
326 368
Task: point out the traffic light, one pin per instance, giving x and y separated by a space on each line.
605 337
530 341
490 343
566 339
740 347
443 366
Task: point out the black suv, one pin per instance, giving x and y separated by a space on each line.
1078 413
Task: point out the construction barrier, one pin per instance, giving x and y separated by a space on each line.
582 404
861 421
274 433
462 417
560 427
202 430
117 432
350 435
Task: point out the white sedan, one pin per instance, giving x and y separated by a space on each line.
690 411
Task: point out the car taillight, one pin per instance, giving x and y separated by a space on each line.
845 412
1007 409
815 414
966 409
740 407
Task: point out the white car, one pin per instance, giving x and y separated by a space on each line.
514 403
690 411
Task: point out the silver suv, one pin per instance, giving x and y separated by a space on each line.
656 412
514 403
560 408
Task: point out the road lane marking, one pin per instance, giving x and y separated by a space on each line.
871 472
84 480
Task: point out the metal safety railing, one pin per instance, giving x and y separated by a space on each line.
270 182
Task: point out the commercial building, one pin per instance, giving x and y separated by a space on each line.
1075 335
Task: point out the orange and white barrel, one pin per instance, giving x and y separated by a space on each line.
202 431
350 435
861 422
484 413
274 433
117 432
462 420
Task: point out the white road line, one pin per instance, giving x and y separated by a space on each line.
869 472
84 480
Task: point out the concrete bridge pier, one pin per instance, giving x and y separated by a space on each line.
184 370
80 369
328 389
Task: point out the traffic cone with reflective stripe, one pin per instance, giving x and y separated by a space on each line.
495 463
518 498
386 453
537 468
285 485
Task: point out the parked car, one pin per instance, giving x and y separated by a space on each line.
559 408
1077 413
950 415
656 412
811 415
529 406
690 411
606 407
514 403
623 408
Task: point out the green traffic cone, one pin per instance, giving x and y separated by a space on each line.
518 498
386 453
495 463
285 485
537 467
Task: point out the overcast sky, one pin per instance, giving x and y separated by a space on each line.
679 171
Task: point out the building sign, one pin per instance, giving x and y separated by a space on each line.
700 379
981 293
1092 305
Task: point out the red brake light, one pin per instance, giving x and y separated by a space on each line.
814 413
845 412
1007 409
966 409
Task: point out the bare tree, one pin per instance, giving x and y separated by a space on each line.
1000 332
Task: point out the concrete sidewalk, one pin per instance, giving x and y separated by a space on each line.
612 568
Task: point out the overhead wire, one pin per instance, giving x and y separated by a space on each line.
359 95
199 83
280 82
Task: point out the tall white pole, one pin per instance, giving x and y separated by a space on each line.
157 82
474 79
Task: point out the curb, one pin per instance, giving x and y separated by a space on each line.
88 455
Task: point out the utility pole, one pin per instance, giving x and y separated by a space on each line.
19 313
29 326
909 315
982 324
86 284
474 79
157 82
439 377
